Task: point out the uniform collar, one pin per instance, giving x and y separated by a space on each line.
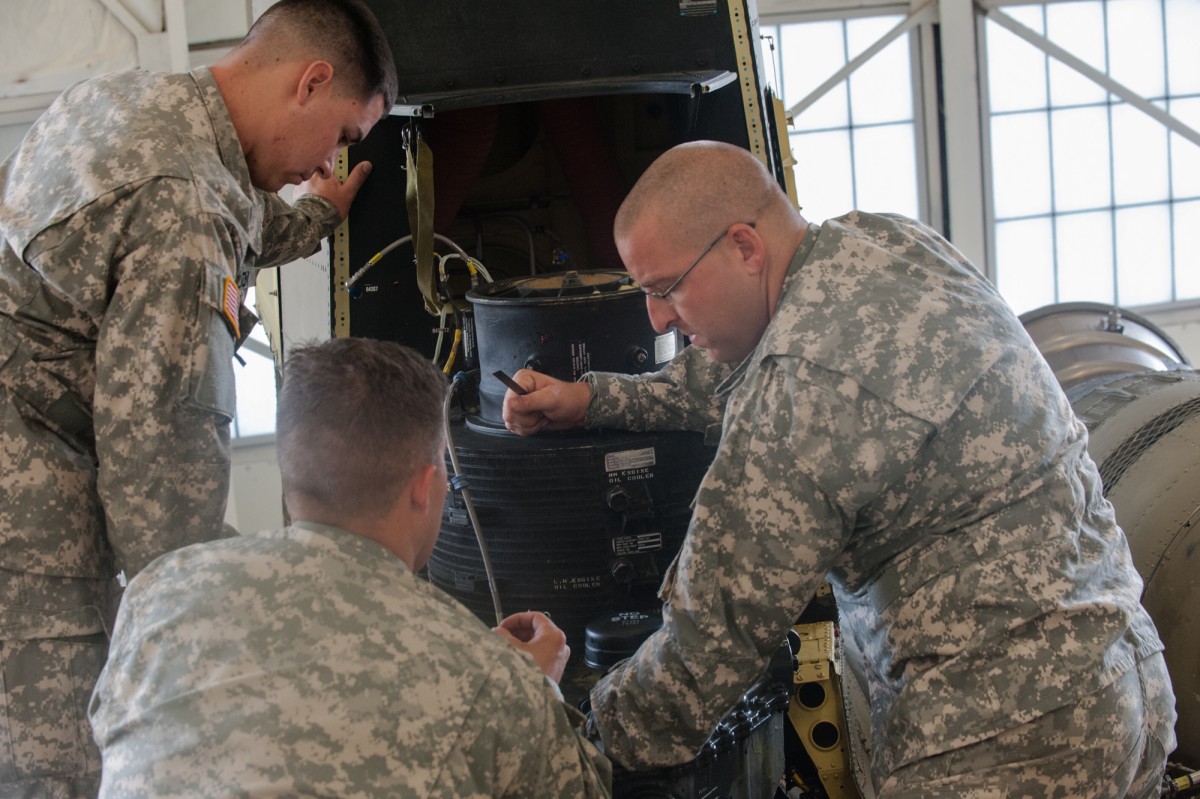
360 548
230 148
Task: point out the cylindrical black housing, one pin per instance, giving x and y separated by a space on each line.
612 638
563 325
576 526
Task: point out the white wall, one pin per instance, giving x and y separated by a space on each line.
256 492
48 45
1183 326
10 137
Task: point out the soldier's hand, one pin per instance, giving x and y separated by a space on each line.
340 193
534 633
549 404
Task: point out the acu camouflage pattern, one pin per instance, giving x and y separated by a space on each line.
49 678
1097 747
311 662
897 431
121 214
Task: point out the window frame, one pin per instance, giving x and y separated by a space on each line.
926 130
951 113
1123 97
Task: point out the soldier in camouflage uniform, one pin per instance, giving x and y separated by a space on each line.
310 661
887 424
132 218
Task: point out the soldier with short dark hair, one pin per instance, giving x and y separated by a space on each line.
313 661
885 424
133 217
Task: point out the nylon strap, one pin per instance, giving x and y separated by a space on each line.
419 196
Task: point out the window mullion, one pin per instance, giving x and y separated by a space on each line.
914 18
1085 69
961 95
928 128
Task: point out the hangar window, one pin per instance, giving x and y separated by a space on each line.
1093 194
1054 142
848 86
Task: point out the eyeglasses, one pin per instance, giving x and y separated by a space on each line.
662 295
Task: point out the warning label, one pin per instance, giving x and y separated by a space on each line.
634 544
666 347
581 359
629 459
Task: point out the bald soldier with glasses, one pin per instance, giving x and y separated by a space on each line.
886 425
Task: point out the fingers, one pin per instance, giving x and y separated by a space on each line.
535 634
507 636
549 404
340 193
356 178
526 414
520 417
529 625
516 626
531 380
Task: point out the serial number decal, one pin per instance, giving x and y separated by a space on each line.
629 459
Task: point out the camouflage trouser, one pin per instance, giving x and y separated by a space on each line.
1111 744
52 648
45 685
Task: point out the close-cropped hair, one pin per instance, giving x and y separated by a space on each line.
356 418
696 188
345 33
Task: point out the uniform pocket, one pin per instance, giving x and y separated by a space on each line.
45 686
211 384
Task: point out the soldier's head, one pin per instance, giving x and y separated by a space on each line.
310 77
708 234
359 434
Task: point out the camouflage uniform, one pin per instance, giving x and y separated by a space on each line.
311 662
122 214
896 430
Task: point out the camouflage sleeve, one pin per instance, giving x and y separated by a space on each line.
295 231
681 396
164 395
801 453
529 742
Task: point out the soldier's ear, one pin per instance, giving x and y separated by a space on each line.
424 488
751 248
316 79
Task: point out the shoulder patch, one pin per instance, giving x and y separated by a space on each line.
231 301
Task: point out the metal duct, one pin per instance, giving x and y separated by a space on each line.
1085 340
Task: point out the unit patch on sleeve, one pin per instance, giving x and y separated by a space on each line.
230 303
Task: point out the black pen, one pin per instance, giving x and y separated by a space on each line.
508 381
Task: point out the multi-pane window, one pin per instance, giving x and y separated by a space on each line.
856 146
1088 198
1094 200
